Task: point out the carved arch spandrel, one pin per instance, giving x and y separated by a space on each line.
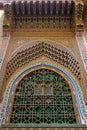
58 54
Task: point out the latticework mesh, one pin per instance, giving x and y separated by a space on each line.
43 96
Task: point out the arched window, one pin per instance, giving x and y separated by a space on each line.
43 96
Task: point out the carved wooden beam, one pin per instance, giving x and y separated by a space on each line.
62 10
50 7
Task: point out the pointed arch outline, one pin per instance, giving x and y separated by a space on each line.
75 85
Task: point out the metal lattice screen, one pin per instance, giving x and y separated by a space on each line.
43 96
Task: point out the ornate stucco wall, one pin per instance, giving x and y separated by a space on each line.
16 41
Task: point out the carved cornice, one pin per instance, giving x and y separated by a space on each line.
44 14
39 8
65 13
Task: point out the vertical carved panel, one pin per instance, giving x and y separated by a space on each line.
79 15
8 11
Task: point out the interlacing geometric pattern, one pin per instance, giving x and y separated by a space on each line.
43 96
